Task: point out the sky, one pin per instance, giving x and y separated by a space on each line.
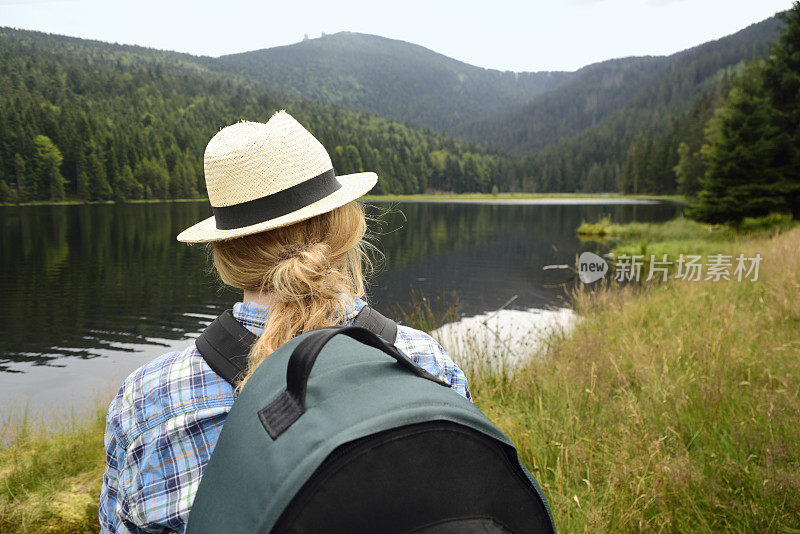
532 35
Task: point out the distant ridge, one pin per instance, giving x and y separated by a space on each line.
636 86
521 112
394 78
131 121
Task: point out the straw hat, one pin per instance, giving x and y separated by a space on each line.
264 176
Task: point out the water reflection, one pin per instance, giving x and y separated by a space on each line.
483 255
83 281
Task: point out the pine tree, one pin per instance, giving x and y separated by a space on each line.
740 180
127 187
20 176
753 151
6 193
689 170
594 180
81 178
782 86
99 188
48 180
354 158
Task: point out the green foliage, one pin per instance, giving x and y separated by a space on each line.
782 79
682 228
605 114
601 228
620 97
46 180
774 222
597 130
689 170
753 151
106 107
7 195
128 188
680 235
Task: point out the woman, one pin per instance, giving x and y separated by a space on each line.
287 232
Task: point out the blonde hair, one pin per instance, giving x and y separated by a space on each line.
309 268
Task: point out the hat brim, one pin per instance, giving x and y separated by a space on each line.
353 186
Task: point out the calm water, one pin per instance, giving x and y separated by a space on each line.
89 293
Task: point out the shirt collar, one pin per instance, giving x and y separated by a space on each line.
253 315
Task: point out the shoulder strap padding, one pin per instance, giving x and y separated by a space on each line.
376 323
225 344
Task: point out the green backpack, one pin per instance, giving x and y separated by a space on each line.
337 431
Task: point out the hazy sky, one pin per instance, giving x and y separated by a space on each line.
524 35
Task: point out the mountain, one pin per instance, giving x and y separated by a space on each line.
647 87
606 151
89 120
392 78
586 99
92 120
521 112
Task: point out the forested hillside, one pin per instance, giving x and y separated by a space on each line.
96 121
89 120
635 148
610 126
392 78
650 88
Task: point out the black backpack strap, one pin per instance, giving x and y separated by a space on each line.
225 344
376 323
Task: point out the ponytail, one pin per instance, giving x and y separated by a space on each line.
309 269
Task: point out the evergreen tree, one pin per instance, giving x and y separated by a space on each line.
6 193
20 176
594 181
689 170
98 186
127 187
740 179
782 86
81 178
753 151
48 180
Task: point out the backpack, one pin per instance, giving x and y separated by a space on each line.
338 431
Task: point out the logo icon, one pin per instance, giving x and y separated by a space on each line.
591 267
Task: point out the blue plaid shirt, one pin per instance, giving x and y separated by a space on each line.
164 422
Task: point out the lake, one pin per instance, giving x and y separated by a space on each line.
90 292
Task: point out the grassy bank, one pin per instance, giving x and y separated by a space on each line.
681 235
50 478
671 407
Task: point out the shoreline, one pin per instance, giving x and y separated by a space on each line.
501 198
74 387
487 198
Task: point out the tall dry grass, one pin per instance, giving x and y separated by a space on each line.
50 476
671 408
